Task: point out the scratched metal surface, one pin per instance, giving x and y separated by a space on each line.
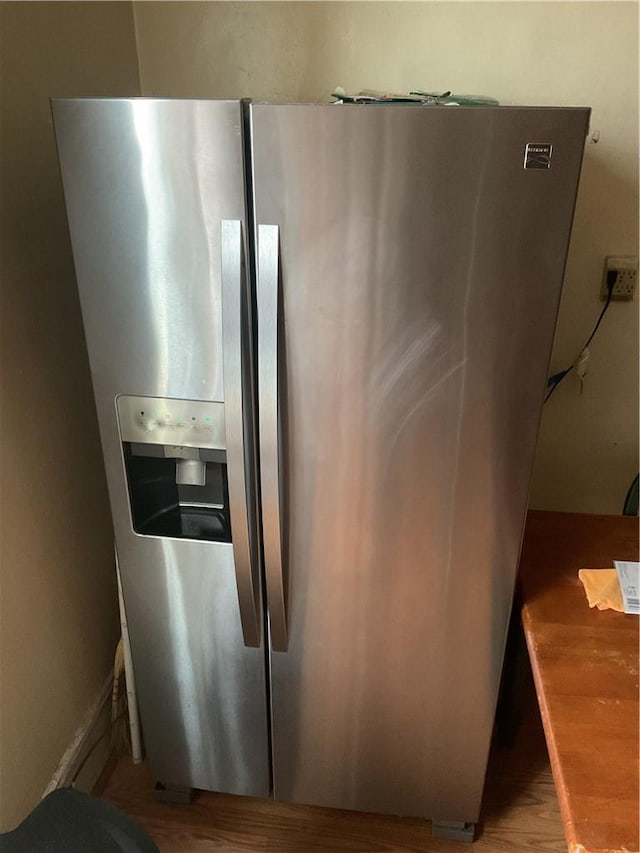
421 273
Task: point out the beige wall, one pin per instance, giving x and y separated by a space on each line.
58 616
521 53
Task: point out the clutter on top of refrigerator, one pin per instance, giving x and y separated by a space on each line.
370 96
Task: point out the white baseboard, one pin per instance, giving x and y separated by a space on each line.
96 722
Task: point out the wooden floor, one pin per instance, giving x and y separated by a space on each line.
520 813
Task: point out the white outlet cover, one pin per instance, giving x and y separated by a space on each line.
627 269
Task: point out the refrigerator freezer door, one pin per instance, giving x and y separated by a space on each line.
420 272
147 185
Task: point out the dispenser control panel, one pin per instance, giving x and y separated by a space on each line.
158 420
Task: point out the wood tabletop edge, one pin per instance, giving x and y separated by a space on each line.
554 513
556 767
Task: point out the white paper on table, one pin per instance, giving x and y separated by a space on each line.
629 577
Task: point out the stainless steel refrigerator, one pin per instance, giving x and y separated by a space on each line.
319 337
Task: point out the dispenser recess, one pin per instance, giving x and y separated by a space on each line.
176 467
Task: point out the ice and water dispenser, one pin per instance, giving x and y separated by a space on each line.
176 464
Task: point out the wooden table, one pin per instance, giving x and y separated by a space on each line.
585 666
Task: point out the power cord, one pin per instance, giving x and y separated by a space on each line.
581 358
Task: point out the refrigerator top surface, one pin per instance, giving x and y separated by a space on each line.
313 104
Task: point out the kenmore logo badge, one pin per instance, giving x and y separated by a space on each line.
537 155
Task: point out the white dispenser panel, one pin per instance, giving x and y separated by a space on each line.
184 423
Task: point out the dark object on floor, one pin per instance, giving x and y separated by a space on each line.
68 821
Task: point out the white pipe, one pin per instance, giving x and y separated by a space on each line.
132 699
118 669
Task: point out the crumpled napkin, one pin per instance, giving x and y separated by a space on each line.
603 588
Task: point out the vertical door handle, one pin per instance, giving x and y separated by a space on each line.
268 300
236 396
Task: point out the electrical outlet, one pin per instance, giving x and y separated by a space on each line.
625 286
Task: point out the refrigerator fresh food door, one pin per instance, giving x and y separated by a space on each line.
156 201
410 263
